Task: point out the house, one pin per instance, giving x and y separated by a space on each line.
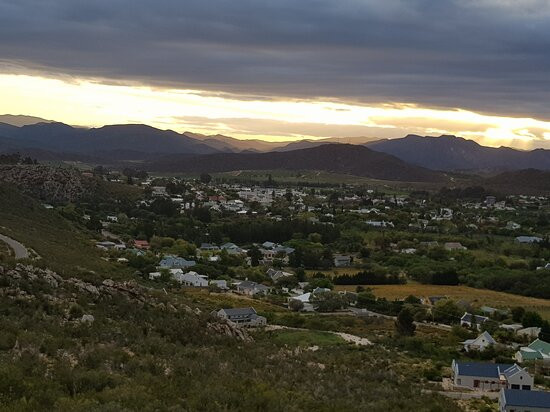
451 246
537 350
513 225
305 299
514 327
468 320
480 343
232 248
528 239
142 244
277 275
154 275
105 245
174 262
531 332
220 283
245 317
377 223
490 376
192 279
341 261
208 247
514 400
252 288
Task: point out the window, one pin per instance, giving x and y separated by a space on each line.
476 383
514 386
526 387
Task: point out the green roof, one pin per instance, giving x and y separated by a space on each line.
541 346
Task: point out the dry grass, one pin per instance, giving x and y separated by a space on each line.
477 297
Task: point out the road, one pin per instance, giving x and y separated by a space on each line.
20 251
358 340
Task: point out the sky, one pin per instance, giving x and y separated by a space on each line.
284 69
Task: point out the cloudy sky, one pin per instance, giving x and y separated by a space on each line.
284 69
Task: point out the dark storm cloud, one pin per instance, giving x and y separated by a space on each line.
489 55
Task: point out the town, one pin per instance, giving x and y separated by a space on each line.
343 250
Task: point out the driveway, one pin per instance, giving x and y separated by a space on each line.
20 251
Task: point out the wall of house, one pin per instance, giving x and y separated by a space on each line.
485 384
520 379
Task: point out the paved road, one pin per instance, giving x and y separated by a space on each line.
20 251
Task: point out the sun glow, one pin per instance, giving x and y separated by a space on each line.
92 103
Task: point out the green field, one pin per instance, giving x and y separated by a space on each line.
61 245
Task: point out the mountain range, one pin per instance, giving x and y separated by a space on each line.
335 158
44 139
456 153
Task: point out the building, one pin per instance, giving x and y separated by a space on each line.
245 317
528 239
451 246
342 261
174 262
277 275
530 332
305 299
220 283
141 244
192 279
480 343
252 288
513 400
468 320
490 376
537 350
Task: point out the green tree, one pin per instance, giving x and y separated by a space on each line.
517 313
404 325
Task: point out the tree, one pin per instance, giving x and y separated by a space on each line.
446 311
205 178
531 319
296 305
517 313
329 301
404 325
255 256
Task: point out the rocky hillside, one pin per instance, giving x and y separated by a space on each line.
52 184
72 345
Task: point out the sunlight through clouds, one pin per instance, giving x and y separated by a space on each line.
91 103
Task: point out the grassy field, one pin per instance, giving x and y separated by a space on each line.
299 177
61 245
477 297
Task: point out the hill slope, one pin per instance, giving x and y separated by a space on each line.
455 153
528 181
337 158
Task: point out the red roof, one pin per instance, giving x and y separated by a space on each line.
141 244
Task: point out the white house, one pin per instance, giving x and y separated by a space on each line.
530 332
305 299
490 376
480 343
468 320
341 261
190 279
